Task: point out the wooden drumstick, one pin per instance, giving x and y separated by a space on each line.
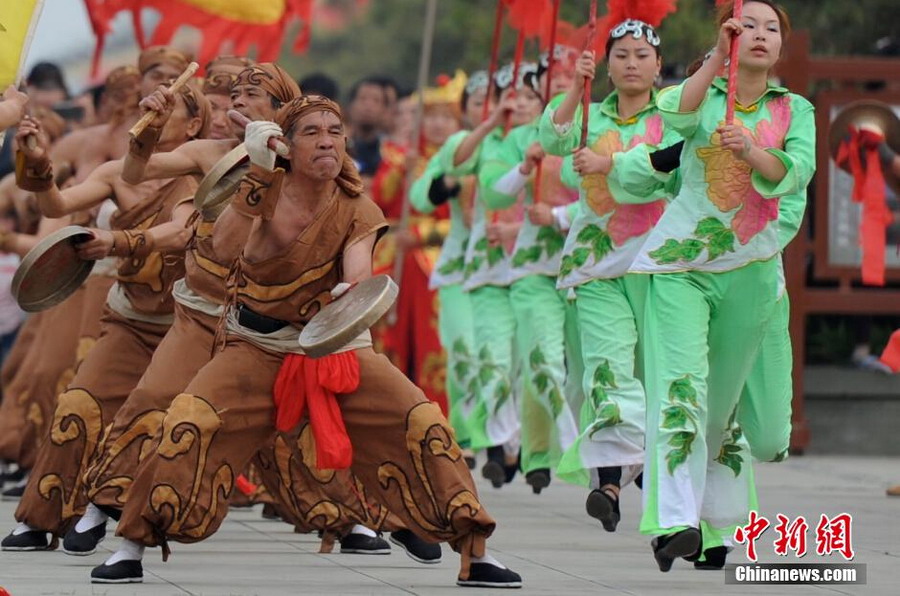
147 118
274 144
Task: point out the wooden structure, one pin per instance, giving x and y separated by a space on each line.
827 82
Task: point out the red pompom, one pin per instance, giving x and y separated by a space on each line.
442 79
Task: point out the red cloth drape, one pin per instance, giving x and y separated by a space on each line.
313 383
860 152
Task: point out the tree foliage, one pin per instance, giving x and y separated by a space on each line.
387 38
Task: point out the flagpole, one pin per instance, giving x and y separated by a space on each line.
424 65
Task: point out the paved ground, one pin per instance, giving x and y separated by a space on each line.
547 538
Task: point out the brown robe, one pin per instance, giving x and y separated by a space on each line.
55 492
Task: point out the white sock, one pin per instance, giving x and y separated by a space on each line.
22 528
358 529
487 558
129 551
92 518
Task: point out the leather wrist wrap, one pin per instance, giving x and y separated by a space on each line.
141 147
132 244
34 175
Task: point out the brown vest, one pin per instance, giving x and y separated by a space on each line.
148 282
295 285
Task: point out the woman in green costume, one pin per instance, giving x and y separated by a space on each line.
434 188
604 238
715 282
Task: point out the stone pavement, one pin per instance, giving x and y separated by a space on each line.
548 539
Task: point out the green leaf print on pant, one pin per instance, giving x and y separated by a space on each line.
730 453
710 233
484 252
548 241
547 388
487 371
462 369
592 240
452 266
680 417
606 411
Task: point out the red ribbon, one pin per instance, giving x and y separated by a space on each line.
246 487
891 354
860 152
314 383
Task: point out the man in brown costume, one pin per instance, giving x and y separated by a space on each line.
310 231
150 223
306 497
68 330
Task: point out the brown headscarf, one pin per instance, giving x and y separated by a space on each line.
123 89
221 72
291 113
197 105
156 55
271 78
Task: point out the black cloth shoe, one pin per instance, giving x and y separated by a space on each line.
485 575
14 493
680 544
605 508
493 468
81 544
360 544
270 512
538 480
34 540
471 462
123 572
417 549
13 475
714 559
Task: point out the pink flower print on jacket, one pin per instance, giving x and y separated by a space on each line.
728 178
627 221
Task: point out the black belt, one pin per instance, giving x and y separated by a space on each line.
257 322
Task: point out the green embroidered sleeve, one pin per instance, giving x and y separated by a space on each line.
798 155
467 167
550 138
791 209
669 104
418 192
508 154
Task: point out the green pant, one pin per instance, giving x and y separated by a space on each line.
494 420
702 333
613 413
548 426
455 329
764 413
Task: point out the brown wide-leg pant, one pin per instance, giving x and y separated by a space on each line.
20 349
44 374
305 497
55 492
404 453
84 313
12 409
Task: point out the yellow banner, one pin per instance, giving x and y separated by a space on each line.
17 20
258 12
